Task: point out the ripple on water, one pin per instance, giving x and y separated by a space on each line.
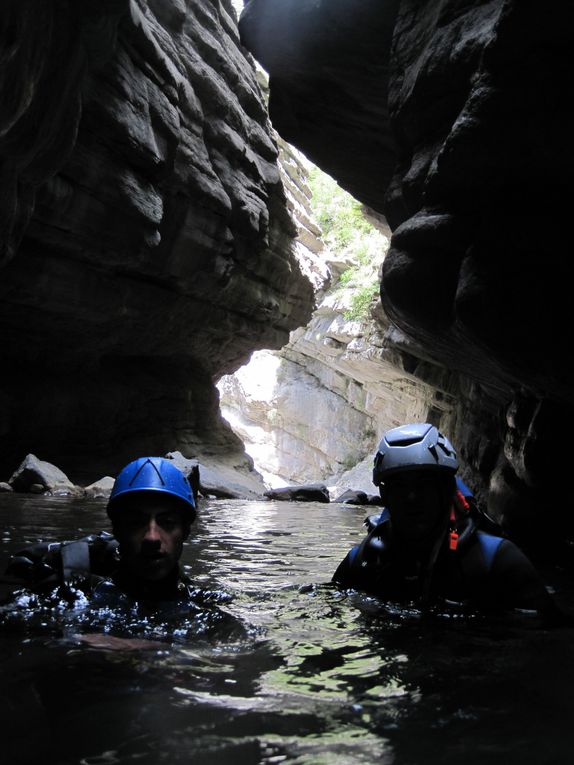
318 676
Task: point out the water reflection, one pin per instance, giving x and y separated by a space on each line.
318 677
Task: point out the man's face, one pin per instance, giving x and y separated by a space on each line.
151 531
416 503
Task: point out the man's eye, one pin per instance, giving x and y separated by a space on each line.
167 521
132 521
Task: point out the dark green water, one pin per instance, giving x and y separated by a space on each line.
321 677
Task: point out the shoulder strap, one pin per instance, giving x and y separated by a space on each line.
488 545
353 553
64 562
75 561
372 521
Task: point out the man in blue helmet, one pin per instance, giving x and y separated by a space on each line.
427 546
151 508
130 583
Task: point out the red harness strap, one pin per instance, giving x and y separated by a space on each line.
453 536
461 501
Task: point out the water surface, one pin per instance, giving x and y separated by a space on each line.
319 677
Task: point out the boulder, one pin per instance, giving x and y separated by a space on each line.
5 487
189 467
219 480
36 476
352 497
315 492
100 489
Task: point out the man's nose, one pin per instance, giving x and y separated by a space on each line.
152 531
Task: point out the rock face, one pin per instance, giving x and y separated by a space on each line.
317 407
146 245
317 55
468 99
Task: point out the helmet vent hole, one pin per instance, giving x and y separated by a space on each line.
406 441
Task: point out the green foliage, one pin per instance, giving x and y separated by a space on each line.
336 212
347 277
361 300
349 461
347 233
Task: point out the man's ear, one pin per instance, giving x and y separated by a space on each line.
186 529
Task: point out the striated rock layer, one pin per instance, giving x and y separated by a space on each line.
316 408
146 245
475 117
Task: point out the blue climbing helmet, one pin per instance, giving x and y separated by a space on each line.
155 474
417 446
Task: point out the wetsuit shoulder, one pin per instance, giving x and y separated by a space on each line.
343 573
518 582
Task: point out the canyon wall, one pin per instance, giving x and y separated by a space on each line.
461 110
146 244
147 248
315 409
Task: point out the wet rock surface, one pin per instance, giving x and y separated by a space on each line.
214 480
353 497
146 244
321 99
315 492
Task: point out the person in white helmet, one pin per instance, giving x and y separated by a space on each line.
426 546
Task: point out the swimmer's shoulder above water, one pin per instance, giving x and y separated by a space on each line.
431 543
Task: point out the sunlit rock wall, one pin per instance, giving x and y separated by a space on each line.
146 245
477 137
316 409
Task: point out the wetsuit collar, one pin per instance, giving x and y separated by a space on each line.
167 588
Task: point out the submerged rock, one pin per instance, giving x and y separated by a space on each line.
357 497
317 492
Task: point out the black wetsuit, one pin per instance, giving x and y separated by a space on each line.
484 570
175 590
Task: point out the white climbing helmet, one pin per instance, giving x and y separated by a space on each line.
418 446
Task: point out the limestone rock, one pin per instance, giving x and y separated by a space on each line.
37 476
328 65
147 247
354 497
305 493
218 479
100 489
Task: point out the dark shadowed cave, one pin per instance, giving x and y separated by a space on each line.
146 246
